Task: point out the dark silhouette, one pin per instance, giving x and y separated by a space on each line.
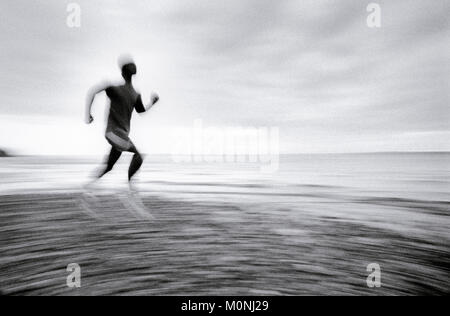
3 153
124 100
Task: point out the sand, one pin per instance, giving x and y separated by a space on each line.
207 248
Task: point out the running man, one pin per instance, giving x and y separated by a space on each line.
124 100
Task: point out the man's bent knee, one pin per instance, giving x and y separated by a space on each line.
139 158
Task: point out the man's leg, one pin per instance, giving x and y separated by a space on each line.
88 198
112 159
136 163
133 199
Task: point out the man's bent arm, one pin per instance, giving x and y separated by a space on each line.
90 101
153 100
141 108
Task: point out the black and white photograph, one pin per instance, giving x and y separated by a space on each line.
224 154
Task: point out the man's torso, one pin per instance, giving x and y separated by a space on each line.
123 99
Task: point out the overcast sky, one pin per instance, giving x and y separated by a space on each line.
312 68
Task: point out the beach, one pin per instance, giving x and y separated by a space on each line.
311 228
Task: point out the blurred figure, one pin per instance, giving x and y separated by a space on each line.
124 100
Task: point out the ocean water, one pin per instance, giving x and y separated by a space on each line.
312 227
406 175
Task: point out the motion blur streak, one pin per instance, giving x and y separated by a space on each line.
228 229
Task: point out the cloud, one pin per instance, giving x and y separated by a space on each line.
309 67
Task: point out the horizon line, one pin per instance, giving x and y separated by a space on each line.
12 155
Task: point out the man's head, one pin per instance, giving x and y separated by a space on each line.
128 70
127 66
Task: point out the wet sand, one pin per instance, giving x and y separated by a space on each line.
201 247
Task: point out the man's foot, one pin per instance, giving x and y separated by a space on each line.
133 201
90 185
86 199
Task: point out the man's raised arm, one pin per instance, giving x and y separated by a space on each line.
153 99
141 108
